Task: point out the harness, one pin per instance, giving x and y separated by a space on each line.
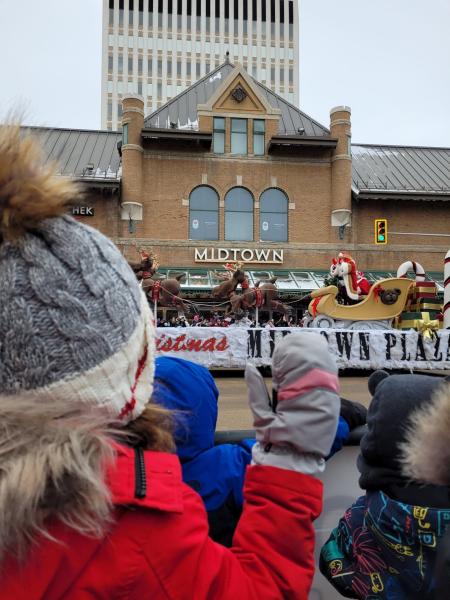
259 298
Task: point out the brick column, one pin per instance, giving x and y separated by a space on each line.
132 154
341 161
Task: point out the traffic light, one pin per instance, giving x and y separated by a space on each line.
380 231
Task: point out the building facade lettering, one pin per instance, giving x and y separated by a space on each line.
245 255
85 211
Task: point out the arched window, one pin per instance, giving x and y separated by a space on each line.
239 215
204 213
273 216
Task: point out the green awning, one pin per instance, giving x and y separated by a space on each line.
288 280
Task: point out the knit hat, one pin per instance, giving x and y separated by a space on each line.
74 323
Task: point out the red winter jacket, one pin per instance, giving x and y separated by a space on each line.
158 547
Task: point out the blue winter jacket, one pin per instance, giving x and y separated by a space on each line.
383 548
215 472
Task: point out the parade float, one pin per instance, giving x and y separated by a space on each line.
395 323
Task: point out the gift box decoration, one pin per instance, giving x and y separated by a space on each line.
419 321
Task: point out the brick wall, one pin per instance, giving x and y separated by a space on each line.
169 181
106 211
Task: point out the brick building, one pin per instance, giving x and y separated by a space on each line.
228 170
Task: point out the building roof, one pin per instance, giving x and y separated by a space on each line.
182 109
89 155
387 171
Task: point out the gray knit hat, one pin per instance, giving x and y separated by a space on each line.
74 324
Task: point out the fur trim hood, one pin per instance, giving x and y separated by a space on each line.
426 453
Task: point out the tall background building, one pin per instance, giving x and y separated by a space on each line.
157 48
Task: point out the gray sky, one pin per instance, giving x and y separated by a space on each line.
387 59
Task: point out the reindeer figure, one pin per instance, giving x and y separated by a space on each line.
264 296
235 276
165 292
146 267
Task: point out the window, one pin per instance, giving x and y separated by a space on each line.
239 215
130 64
120 64
150 67
238 136
204 214
219 135
139 88
140 66
258 137
110 62
125 134
109 110
273 216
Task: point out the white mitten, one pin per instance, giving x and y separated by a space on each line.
296 428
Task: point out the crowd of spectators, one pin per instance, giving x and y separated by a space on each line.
218 320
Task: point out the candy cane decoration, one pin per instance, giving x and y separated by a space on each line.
414 266
446 309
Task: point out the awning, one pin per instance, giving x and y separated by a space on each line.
296 281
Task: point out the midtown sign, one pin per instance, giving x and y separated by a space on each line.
245 255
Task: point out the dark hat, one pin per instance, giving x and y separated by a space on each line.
395 399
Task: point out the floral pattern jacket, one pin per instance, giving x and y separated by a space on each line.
383 548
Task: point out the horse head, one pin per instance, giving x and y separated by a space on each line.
239 276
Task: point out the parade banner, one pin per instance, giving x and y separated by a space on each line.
234 347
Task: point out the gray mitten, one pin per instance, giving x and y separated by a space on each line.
296 428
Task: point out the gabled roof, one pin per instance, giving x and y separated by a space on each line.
386 171
182 109
84 154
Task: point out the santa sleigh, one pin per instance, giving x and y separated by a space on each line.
385 301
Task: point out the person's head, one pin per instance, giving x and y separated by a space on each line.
76 354
426 452
189 389
395 399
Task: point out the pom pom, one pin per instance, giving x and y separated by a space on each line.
29 191
376 378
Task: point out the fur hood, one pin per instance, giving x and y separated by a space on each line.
426 453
